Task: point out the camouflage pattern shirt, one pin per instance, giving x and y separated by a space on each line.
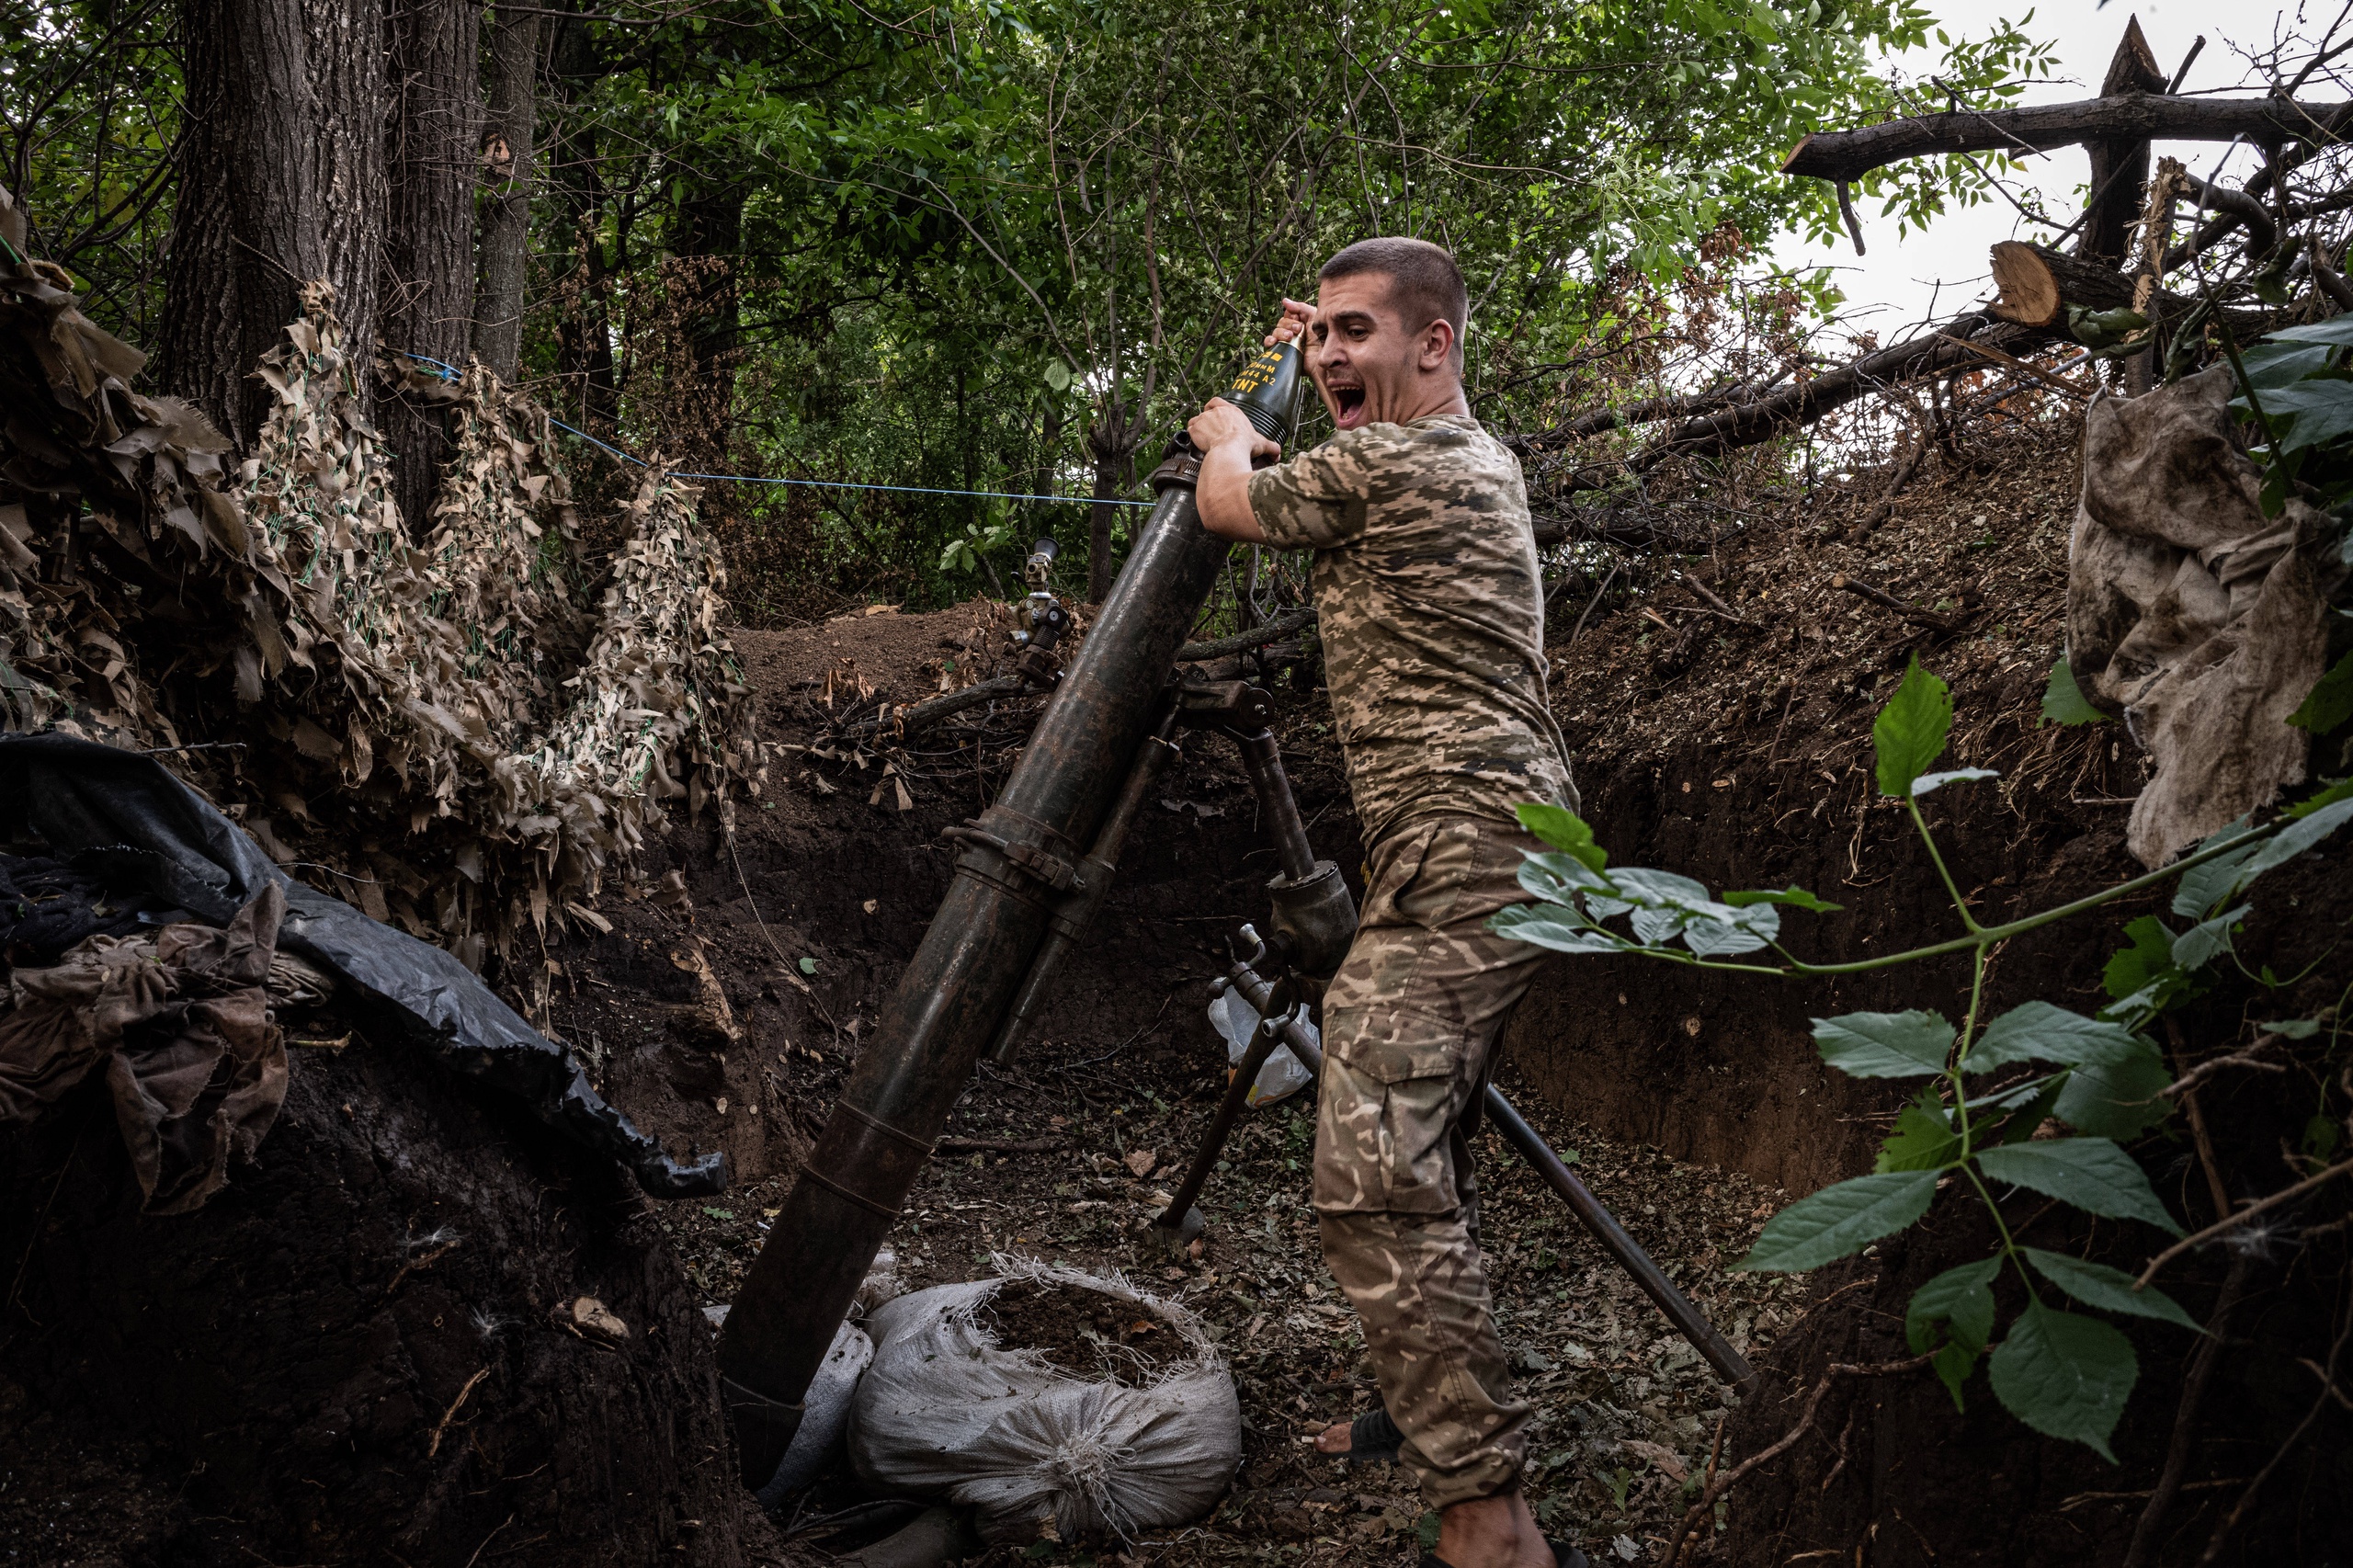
1432 616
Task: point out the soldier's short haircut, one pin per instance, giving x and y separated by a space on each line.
1423 281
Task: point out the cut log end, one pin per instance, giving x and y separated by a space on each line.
2030 293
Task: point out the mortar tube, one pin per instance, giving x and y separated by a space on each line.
1627 1252
1077 910
1277 806
951 1000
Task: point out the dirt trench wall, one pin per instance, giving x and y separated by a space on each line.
347 1355
1722 1069
1716 1069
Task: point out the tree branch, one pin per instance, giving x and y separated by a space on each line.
1849 154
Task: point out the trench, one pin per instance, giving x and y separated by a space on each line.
367 1349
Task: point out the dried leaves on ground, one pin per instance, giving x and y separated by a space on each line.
1626 1412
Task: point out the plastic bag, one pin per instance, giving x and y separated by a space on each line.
1282 1076
943 1412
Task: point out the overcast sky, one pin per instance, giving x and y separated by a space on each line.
1900 279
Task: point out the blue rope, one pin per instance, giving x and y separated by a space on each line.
450 373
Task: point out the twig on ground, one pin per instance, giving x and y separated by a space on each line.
2185 1422
2246 1499
1697 1515
1274 630
2241 1217
952 1145
441 1427
2205 1070
428 1261
1609 578
1927 620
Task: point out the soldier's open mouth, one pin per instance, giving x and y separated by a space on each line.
1347 406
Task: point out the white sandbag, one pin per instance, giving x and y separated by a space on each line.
825 1419
1282 1076
943 1412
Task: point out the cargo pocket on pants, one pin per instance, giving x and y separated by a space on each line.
1391 1092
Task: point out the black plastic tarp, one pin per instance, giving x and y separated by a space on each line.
129 820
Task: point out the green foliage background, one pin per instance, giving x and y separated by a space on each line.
943 245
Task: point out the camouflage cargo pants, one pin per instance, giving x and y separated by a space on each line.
1412 1026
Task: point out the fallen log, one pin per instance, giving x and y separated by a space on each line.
1932 353
1850 155
2038 284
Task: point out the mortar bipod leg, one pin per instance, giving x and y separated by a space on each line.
1626 1252
1181 1222
1076 910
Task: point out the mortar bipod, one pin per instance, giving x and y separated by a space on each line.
1314 916
1077 908
1179 1224
1623 1250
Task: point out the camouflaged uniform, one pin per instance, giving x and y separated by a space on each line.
1432 619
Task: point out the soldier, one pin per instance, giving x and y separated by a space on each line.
1432 619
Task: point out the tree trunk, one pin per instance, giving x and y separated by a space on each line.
509 180
1111 442
432 121
1041 477
2120 166
708 320
583 334
281 181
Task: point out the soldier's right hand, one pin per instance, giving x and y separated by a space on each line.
1292 328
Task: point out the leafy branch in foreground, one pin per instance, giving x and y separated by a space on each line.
1987 1084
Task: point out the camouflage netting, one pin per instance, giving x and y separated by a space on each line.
452 734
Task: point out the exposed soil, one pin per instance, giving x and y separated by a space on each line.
363 1350
1083 1332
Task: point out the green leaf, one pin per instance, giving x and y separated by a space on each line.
2278 364
1557 876
2204 886
1929 781
1923 1138
1563 830
2197 947
2110 1289
2342 789
1790 894
2134 968
2337 330
808 965
1058 375
2065 1375
2063 701
2116 1097
2320 411
1841 1220
2093 1174
2297 837
2038 1031
2294 1029
2028 1110
1962 1298
1884 1045
1910 731
1562 932
1952 1363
